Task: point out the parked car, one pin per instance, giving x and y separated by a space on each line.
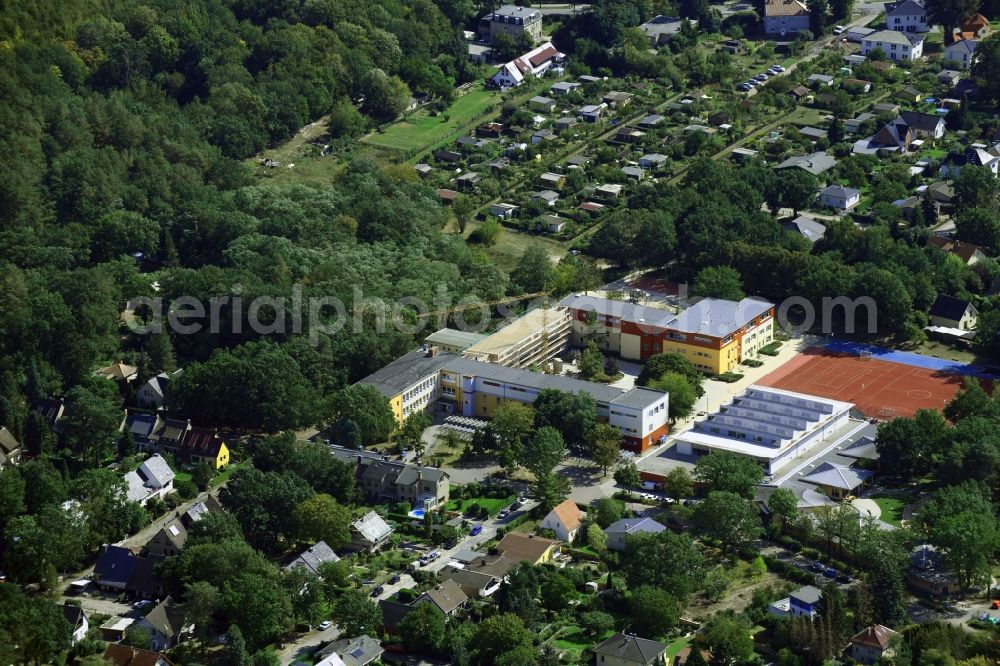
324 625
771 72
503 514
830 573
818 567
761 77
142 603
395 579
778 68
476 530
744 87
839 30
516 505
845 579
377 590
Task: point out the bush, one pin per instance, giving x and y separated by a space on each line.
473 509
406 595
186 488
811 553
484 513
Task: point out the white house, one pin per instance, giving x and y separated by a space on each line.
838 196
962 52
152 394
154 478
975 155
906 16
617 532
533 63
924 125
783 17
952 312
895 44
77 619
565 520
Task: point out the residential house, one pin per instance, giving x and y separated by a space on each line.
853 125
385 481
591 113
977 27
447 196
51 409
857 85
952 312
542 104
204 445
499 164
491 130
370 532
838 482
153 393
119 371
962 53
949 77
200 509
800 94
118 654
785 17
144 429
481 576
534 63
803 602
447 597
449 156
630 650
548 197
628 134
838 196
565 520
563 88
928 574
608 191
552 224
969 254
633 173
553 181
512 20
421 486
872 644
357 651
543 135
592 207
169 540
423 169
10 449
77 620
732 46
942 192
119 570
820 80
976 155
651 121
313 557
169 435
521 547
909 94
504 211
652 161
616 98
619 531
566 122
907 16
164 624
154 478
924 125
806 227
660 29
895 44
896 136
467 181
816 163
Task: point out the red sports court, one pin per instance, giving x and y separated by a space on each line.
880 389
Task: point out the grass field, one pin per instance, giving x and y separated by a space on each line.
512 244
575 638
892 508
421 130
675 647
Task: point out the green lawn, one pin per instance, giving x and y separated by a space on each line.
182 476
492 504
575 638
421 130
892 508
675 647
226 473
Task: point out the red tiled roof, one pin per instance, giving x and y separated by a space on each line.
545 54
876 636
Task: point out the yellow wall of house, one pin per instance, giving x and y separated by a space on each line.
715 361
396 403
222 459
631 346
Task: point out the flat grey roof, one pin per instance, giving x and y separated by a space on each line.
406 370
715 316
453 336
626 311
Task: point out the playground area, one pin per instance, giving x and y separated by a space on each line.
880 388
